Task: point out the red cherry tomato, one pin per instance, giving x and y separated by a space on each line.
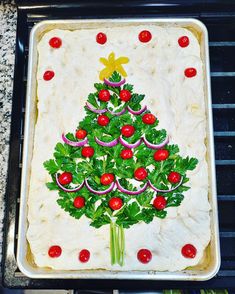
161 154
190 72
65 178
125 95
148 118
101 38
145 36
140 174
115 203
183 41
54 251
79 202
144 255
48 75
107 179
174 177
126 154
189 251
81 134
55 42
104 95
87 151
84 255
159 202
103 120
127 130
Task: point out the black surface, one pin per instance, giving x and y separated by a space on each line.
219 17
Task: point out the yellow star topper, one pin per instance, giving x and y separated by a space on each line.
111 64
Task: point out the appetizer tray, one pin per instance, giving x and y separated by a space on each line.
211 263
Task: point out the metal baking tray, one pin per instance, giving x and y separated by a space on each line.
211 261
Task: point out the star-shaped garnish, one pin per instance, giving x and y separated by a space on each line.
111 64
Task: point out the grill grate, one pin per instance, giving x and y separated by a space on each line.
221 26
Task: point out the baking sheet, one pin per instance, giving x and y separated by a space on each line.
211 262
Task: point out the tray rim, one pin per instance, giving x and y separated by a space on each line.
108 274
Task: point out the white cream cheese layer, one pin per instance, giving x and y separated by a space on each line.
156 69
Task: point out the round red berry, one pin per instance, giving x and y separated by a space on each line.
81 134
101 38
144 255
161 154
190 72
126 154
103 120
148 118
84 255
87 151
145 36
174 177
189 251
183 41
48 75
115 203
159 202
104 95
140 174
79 202
54 251
127 130
65 178
107 179
125 95
55 42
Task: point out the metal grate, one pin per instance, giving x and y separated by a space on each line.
221 25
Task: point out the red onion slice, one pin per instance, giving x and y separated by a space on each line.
110 188
123 190
106 144
66 189
118 113
155 146
129 145
114 84
137 112
73 143
165 191
95 110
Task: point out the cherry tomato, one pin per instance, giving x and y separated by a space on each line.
174 177
127 130
145 36
148 118
161 154
107 179
79 202
140 174
55 42
87 151
115 203
189 251
81 134
54 251
104 95
65 178
101 38
126 154
103 120
190 72
183 41
48 75
125 95
159 202
84 255
144 255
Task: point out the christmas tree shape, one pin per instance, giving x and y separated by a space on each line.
117 167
